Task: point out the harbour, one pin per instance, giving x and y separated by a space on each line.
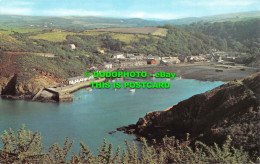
93 114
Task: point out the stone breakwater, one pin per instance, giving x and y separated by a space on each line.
62 94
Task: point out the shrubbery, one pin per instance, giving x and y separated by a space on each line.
26 147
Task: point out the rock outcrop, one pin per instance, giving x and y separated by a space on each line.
19 82
230 109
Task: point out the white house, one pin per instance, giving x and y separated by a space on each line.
119 55
79 79
108 65
129 55
175 60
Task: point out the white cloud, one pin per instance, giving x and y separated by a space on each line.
16 7
65 12
217 3
146 15
178 9
15 10
22 3
16 3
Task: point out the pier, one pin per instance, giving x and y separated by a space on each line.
62 94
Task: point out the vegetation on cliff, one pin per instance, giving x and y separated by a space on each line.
26 74
26 147
241 36
230 109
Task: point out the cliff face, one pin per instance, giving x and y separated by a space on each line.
33 85
28 88
230 109
17 80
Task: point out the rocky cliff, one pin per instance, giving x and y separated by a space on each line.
19 80
230 109
10 87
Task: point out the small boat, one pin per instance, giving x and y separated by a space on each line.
132 90
113 80
168 79
180 78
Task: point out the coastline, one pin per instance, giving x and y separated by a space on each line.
202 71
59 94
201 117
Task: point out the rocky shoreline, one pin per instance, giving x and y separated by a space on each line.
59 94
202 71
199 71
209 117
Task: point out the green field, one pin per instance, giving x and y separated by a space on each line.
136 30
160 32
53 36
61 36
127 38
9 31
123 34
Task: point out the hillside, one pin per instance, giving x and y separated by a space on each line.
230 109
22 50
170 40
90 22
24 74
240 36
215 18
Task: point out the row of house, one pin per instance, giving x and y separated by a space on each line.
230 56
154 60
131 63
79 79
215 56
233 57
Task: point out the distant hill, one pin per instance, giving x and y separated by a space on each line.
215 18
91 22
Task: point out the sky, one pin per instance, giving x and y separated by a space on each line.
146 9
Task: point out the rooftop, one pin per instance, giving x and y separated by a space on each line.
75 78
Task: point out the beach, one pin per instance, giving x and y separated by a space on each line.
201 71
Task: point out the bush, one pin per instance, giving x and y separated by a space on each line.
26 147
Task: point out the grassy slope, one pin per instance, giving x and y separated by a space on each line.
61 36
9 43
137 30
53 36
9 31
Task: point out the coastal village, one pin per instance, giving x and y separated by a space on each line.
121 60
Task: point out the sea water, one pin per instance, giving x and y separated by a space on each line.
93 114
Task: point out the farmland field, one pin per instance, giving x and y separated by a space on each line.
53 36
136 30
127 38
9 31
61 36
